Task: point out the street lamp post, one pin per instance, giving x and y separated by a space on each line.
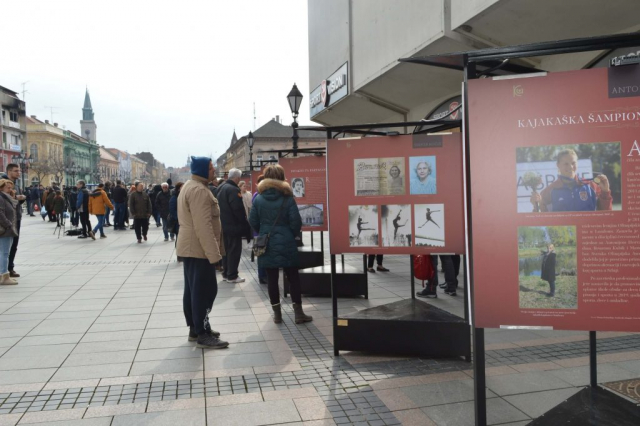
24 161
295 98
250 141
73 171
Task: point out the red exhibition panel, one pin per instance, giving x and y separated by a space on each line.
555 184
308 178
396 195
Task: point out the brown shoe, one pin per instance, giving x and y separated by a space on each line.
92 235
145 237
14 274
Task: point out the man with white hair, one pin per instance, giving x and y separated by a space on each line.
162 207
235 225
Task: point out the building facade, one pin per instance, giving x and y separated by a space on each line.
45 146
139 170
81 159
354 47
13 126
124 164
156 171
268 139
108 166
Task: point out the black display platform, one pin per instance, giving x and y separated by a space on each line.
591 407
406 327
310 258
316 281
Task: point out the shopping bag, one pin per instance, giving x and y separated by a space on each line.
43 212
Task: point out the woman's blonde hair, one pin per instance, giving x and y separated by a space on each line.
4 182
274 171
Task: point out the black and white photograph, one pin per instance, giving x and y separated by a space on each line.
379 176
311 214
363 226
429 225
396 225
297 184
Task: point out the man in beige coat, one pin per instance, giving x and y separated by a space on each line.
199 246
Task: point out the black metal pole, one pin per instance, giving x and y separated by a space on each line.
322 243
593 361
413 278
334 303
295 137
251 159
311 240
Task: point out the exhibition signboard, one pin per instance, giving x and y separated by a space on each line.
308 179
396 194
555 197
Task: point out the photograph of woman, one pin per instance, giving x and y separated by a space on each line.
396 181
423 180
298 187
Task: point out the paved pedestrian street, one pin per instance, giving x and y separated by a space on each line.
94 335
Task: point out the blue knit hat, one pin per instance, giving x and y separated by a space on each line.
200 166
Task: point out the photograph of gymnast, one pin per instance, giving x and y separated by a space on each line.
363 226
396 225
429 225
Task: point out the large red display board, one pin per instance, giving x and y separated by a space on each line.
555 160
308 179
396 195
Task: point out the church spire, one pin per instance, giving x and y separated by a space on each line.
87 110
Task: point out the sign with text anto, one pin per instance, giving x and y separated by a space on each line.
555 184
396 195
308 179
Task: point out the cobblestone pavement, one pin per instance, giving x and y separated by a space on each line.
94 335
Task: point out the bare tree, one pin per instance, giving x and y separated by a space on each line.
57 169
40 169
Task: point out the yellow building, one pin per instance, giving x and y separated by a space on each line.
45 146
139 170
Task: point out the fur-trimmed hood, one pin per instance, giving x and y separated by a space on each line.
279 185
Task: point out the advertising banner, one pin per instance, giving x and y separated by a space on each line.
555 184
308 179
396 195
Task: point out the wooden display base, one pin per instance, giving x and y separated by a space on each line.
316 281
591 407
406 327
310 258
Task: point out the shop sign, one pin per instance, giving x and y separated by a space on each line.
330 91
14 147
445 108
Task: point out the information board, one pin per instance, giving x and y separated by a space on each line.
555 197
396 195
308 179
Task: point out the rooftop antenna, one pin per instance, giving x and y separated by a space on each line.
51 108
24 91
254 116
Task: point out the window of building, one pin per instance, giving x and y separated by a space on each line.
259 159
13 116
34 151
4 137
14 139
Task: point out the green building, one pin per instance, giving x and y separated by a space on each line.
82 154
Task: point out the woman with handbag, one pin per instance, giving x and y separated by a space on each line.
8 228
275 217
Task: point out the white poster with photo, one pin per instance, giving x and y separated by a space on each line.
363 226
429 225
379 176
396 225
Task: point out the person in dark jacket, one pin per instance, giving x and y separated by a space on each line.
119 196
234 225
58 207
275 203
152 195
8 220
34 199
107 211
162 207
173 222
141 209
548 269
49 205
83 210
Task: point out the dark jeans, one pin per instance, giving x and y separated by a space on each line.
118 219
86 224
14 247
165 228
451 268
74 217
107 212
99 226
156 216
233 249
294 284
200 290
141 226
552 287
377 257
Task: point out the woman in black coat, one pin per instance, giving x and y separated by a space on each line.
548 269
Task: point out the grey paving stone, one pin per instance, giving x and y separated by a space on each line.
512 384
462 414
537 403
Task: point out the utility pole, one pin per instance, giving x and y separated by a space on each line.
24 91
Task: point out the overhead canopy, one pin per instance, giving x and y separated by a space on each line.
494 57
382 129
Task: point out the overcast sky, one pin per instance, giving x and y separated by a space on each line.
173 78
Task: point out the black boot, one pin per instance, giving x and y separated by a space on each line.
277 313
300 315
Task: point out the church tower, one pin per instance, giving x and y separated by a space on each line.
88 126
